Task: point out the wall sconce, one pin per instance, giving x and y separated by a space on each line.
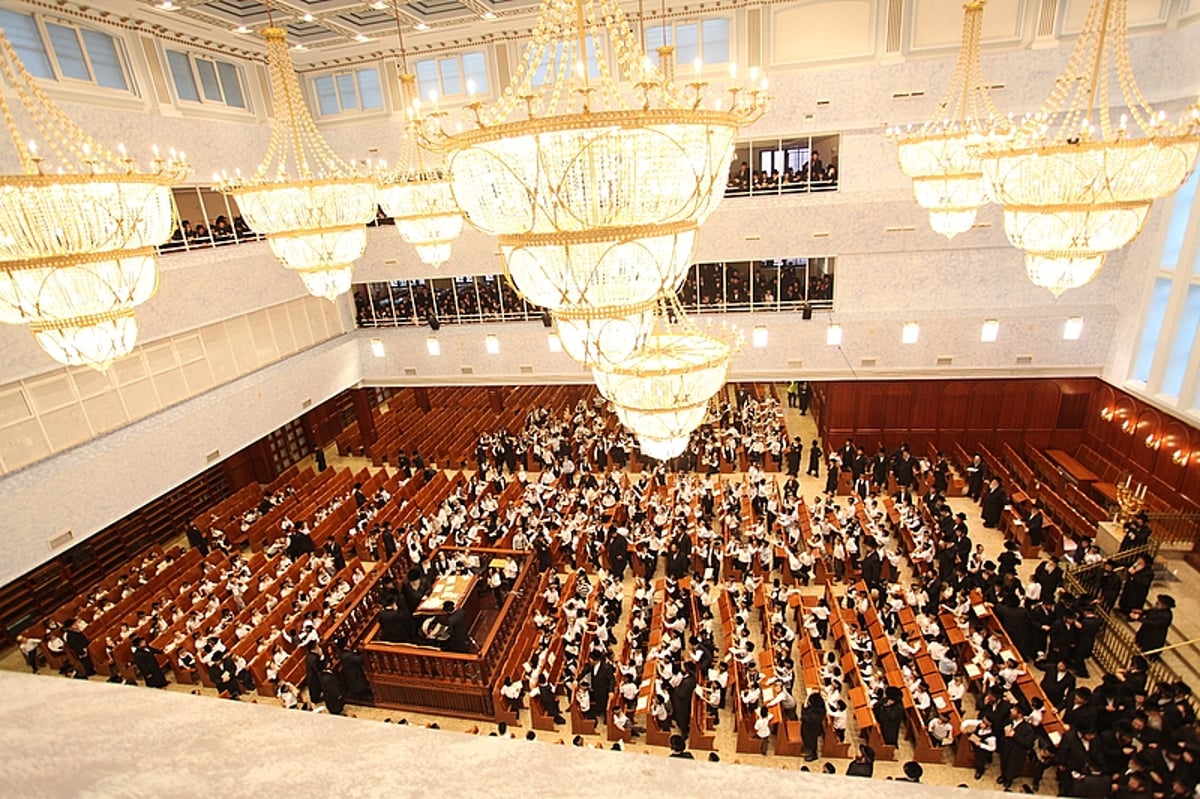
1153 442
1180 458
1129 427
1107 414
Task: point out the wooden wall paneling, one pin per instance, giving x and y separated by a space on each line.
1149 421
1175 437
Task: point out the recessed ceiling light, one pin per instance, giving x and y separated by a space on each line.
167 5
241 29
488 15
362 38
308 17
379 5
299 46
420 26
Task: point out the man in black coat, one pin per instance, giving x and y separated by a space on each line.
871 564
395 626
78 643
353 674
795 451
863 765
1015 744
992 506
600 674
196 539
456 621
890 715
681 703
618 554
812 723
147 664
331 688
1156 622
1059 686
313 665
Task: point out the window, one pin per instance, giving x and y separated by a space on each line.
1185 337
452 76
1152 329
707 40
546 72
1181 209
358 90
785 166
60 51
200 79
22 31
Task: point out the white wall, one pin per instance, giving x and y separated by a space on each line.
89 487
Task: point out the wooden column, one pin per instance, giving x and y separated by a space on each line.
421 395
364 417
496 398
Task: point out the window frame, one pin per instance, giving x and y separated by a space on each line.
698 23
203 101
464 77
334 77
41 23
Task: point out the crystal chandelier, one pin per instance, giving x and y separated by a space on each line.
595 188
417 195
78 229
1075 183
940 155
311 205
662 393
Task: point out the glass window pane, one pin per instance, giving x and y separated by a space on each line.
593 65
368 89
65 42
208 79
22 32
347 96
326 95
687 43
102 52
451 84
231 84
427 78
1177 229
1185 337
1152 329
475 69
539 74
715 38
181 72
657 36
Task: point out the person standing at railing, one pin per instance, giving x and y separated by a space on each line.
1156 623
1137 585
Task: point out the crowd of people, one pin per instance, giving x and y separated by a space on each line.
813 175
717 561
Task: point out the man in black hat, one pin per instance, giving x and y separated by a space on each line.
863 765
1156 622
147 664
890 715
